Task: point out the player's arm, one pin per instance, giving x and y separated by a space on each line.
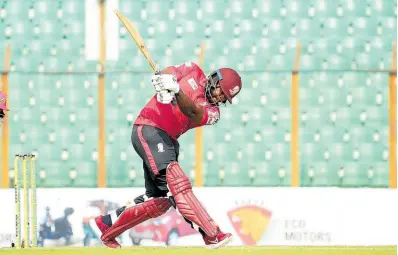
189 108
168 70
180 71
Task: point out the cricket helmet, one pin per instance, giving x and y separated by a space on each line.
227 79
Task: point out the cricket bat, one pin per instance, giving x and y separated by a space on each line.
137 39
140 43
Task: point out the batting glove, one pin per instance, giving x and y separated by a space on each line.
165 82
164 96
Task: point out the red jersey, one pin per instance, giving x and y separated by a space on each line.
169 117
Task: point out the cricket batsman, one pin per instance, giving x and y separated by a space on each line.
3 107
184 99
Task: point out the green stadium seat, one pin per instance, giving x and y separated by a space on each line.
342 150
343 114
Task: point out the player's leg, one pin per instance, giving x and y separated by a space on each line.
152 193
192 210
155 186
157 150
135 213
153 204
169 175
108 227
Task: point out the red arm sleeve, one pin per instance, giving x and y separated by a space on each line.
211 114
180 70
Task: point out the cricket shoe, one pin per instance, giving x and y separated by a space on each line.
218 241
99 228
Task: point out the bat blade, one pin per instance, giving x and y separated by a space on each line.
137 39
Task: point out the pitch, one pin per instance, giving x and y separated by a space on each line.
385 250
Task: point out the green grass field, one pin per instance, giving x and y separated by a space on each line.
385 250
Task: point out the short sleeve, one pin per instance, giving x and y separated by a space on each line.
211 115
179 71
